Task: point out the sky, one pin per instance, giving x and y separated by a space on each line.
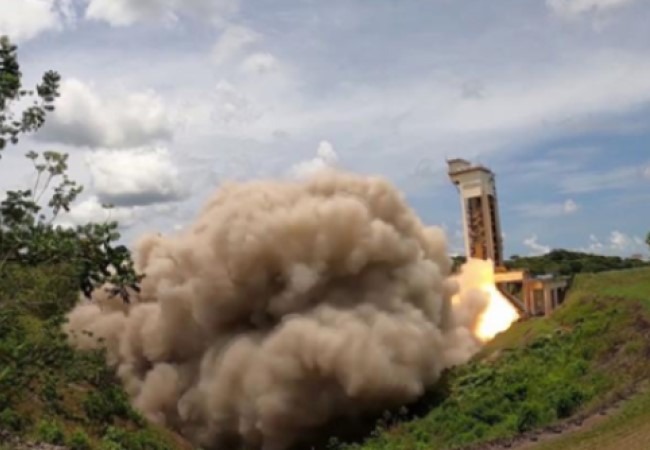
164 100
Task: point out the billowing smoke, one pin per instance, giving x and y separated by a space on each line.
284 305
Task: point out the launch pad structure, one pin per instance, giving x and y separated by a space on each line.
532 296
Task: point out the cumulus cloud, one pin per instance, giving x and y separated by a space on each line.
135 177
572 8
617 243
595 246
326 157
535 247
232 41
91 210
84 117
128 12
24 19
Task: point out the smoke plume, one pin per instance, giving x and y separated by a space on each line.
286 304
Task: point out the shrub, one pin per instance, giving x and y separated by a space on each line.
106 405
567 400
9 420
120 439
50 431
79 441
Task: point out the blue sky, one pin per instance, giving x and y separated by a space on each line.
165 99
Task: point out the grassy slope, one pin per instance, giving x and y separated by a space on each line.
628 428
593 350
50 393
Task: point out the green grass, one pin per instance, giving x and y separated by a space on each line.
51 393
592 350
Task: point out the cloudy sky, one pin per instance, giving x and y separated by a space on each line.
163 100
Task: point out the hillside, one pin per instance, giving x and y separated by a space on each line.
543 373
50 393
540 376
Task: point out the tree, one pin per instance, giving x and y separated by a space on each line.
28 233
647 239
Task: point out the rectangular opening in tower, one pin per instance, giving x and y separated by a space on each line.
476 228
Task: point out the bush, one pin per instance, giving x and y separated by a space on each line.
79 441
106 405
568 399
120 439
530 414
50 431
9 420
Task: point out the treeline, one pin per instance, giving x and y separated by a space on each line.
566 262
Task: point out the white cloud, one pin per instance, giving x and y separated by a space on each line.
232 41
624 244
535 247
325 157
259 63
646 173
612 179
24 19
91 210
617 243
548 209
128 12
84 117
595 246
572 8
134 177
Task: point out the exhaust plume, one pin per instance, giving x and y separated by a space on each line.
284 305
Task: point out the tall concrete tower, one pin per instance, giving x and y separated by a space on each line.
478 196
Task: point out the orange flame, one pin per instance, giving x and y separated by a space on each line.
497 316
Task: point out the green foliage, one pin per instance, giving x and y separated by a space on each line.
10 420
119 439
109 404
79 441
50 431
566 262
28 235
539 372
30 119
41 376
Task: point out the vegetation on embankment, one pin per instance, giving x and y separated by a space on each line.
595 348
49 392
567 262
627 428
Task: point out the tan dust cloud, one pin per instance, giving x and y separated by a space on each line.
284 305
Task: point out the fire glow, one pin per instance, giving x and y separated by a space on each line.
497 316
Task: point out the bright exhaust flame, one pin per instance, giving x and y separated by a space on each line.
498 313
497 316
